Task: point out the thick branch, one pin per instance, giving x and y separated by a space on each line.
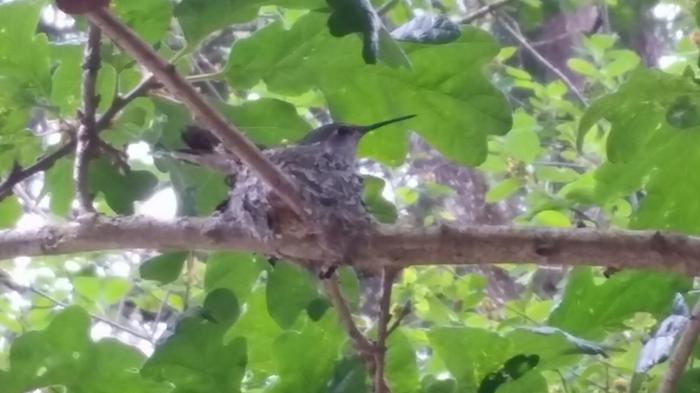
231 137
677 361
385 248
86 140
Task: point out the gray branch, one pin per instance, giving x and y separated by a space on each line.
387 247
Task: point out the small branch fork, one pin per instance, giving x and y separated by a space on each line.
86 140
372 354
18 174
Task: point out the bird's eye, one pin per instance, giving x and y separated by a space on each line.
343 131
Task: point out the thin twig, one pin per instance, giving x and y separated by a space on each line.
159 314
487 9
119 102
231 137
388 276
7 281
109 322
405 311
360 342
17 174
509 25
86 140
679 358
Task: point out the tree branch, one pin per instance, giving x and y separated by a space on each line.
230 137
487 9
86 141
388 276
677 361
405 310
360 342
392 248
17 174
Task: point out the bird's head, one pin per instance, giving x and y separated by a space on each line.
343 137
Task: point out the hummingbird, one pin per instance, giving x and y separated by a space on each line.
323 164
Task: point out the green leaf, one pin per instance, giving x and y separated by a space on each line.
164 268
259 329
432 385
106 290
350 285
268 121
522 141
114 289
349 376
556 175
10 212
503 190
120 190
588 309
195 359
52 350
622 62
649 150
689 382
532 382
582 67
63 355
359 93
59 185
380 208
199 18
114 369
289 292
554 347
149 19
401 370
199 190
305 357
468 353
222 305
235 271
551 218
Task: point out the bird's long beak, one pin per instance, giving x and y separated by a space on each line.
366 129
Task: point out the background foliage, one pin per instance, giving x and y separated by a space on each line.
569 114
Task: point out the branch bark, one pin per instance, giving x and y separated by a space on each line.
677 361
393 248
86 140
230 137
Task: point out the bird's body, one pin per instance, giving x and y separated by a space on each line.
329 185
323 165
